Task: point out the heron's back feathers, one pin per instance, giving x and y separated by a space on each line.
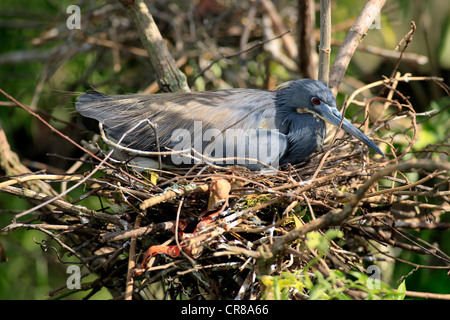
242 111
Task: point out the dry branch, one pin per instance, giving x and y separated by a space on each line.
306 21
279 28
11 164
353 38
325 41
170 78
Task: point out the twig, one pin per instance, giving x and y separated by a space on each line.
177 240
132 263
248 27
39 177
405 187
49 233
169 194
427 295
405 78
407 38
63 205
142 231
134 127
62 194
388 54
115 45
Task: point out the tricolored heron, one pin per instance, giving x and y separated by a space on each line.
247 127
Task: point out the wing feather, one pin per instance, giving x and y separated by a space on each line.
221 109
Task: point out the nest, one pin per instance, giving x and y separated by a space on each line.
209 232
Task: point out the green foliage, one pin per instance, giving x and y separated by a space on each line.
312 284
336 286
317 241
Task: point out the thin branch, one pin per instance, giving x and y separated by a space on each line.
388 54
325 41
407 39
58 203
54 130
132 263
427 295
41 177
170 194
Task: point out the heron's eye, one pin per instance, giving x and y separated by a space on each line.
315 101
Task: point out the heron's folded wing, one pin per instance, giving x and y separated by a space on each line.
174 112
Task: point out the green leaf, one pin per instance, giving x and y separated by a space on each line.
401 290
154 177
297 222
334 233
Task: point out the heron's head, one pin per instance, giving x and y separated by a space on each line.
311 96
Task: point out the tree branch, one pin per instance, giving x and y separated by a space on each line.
277 22
170 78
354 36
325 41
307 55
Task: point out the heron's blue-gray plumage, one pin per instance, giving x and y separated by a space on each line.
276 127
221 109
305 131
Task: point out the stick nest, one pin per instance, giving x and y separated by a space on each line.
239 232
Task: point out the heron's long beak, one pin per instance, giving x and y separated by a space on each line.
332 115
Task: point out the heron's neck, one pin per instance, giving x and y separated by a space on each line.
305 136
